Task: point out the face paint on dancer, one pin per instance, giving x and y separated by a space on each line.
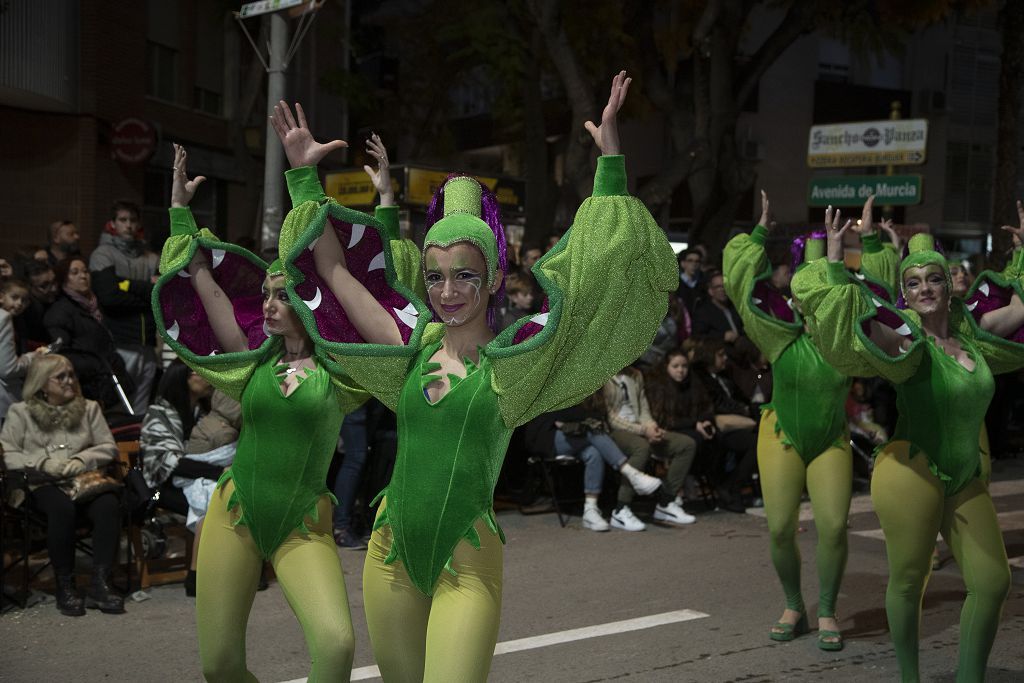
925 288
278 315
454 277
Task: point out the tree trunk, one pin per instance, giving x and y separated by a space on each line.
1011 19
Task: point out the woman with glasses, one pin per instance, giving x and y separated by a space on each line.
77 325
52 436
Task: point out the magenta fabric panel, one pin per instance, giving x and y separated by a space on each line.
981 302
772 302
242 282
364 250
531 328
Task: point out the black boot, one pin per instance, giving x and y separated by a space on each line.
99 595
190 584
69 602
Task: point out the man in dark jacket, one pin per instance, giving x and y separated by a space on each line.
715 317
123 274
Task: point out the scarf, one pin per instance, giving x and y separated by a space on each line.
89 303
50 417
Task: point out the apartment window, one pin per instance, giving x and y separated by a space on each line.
207 101
162 68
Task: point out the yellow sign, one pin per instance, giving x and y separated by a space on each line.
352 188
879 158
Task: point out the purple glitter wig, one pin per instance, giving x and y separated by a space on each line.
490 213
797 247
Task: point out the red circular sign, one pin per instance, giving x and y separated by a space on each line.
134 141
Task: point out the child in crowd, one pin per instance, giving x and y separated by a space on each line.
519 290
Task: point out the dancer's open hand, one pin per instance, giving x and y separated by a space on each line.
182 189
381 178
1018 232
766 212
299 145
835 231
607 134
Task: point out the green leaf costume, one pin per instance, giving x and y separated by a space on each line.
607 283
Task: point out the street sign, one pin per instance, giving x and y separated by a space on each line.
852 190
134 141
868 143
252 9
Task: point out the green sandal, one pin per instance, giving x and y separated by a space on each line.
828 644
784 632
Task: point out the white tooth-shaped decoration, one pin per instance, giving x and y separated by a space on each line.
903 350
217 256
904 330
357 234
876 302
214 352
173 331
183 273
541 319
377 263
971 306
757 302
312 244
983 288
314 303
859 276
791 303
408 315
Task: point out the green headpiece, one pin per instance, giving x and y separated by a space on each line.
922 253
462 223
276 268
814 249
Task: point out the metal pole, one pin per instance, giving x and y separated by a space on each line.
273 169
894 115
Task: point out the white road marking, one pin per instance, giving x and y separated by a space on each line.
558 637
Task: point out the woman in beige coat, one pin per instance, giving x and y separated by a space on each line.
54 435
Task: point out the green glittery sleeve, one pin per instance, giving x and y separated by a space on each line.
880 262
183 328
838 311
744 264
607 283
1002 355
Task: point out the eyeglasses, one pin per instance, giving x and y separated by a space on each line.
63 377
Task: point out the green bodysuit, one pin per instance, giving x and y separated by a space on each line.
925 480
803 439
273 503
607 283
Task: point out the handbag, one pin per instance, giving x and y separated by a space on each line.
85 486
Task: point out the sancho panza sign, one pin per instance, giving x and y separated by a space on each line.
868 143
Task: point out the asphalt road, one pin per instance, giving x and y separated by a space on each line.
708 588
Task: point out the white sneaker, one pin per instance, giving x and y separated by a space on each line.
673 513
624 519
593 520
644 484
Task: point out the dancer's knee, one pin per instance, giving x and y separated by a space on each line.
333 647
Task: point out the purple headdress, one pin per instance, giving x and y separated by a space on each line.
490 213
798 248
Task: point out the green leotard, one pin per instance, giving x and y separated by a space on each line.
808 395
607 283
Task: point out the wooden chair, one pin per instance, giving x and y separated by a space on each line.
153 571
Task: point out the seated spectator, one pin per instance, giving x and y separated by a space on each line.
518 297
735 427
78 322
529 254
716 317
636 432
14 361
691 279
54 435
123 273
860 415
6 269
673 329
582 431
63 242
182 398
43 290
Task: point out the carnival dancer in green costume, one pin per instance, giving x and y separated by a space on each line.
803 438
433 573
940 353
232 319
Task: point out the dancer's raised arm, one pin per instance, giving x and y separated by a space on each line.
218 306
373 323
1002 322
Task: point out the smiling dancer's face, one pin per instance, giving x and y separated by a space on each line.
925 289
456 279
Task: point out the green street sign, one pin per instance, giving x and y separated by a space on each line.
853 190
